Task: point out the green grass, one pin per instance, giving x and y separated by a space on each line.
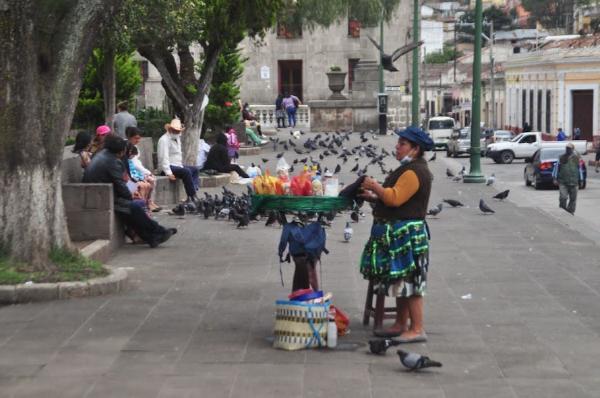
66 266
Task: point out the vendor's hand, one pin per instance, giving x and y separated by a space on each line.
172 177
370 184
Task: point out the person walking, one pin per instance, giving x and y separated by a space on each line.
291 103
280 112
576 133
123 119
567 174
561 136
397 252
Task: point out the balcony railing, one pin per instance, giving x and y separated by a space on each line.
265 114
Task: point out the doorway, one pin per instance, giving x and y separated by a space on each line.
583 112
290 78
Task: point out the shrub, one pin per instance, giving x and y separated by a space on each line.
152 122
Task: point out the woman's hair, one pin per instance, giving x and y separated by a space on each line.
82 141
221 139
131 150
415 145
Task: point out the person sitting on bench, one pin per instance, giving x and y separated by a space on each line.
218 158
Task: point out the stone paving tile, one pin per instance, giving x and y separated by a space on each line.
269 380
53 387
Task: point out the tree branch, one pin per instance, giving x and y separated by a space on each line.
163 61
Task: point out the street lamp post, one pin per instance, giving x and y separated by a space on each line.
416 108
382 97
475 175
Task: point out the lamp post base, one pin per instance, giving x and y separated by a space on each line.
474 178
382 124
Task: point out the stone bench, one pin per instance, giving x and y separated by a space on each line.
167 192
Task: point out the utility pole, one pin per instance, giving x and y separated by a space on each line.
425 81
475 175
493 78
455 51
416 105
382 103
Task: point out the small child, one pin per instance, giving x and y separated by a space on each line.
233 144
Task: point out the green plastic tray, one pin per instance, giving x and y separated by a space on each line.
299 203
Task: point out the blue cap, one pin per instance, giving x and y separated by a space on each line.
416 135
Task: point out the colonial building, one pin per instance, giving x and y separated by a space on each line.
555 87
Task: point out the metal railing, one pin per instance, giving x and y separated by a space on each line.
265 114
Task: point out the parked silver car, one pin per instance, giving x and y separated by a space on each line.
460 143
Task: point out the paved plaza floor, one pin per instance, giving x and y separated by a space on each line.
197 317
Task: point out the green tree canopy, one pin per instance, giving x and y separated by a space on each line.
448 54
90 106
553 14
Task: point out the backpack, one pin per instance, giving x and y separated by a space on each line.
313 238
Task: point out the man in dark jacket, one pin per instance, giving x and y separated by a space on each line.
107 167
566 174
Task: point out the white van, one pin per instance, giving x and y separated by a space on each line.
440 128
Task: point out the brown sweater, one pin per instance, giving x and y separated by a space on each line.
400 184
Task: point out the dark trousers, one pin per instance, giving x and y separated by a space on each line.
189 176
233 167
138 220
281 121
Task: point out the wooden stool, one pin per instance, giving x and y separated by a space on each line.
380 311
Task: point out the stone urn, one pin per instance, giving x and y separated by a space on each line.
337 81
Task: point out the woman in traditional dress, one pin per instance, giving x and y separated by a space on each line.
396 257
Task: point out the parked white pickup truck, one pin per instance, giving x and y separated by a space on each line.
524 146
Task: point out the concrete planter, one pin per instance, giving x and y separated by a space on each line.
337 81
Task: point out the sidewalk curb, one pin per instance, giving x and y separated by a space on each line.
115 282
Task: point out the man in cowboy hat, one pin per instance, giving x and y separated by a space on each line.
170 159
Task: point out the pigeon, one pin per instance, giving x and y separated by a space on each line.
462 171
435 210
484 207
449 173
279 155
348 232
502 195
431 159
271 218
265 160
243 220
457 178
387 61
490 180
354 216
355 167
337 169
413 361
453 203
380 346
179 210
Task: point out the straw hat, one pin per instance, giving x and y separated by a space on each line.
175 125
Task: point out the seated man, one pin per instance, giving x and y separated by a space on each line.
107 167
249 118
170 159
218 159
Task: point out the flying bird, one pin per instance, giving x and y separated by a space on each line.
453 203
502 195
413 361
435 210
265 160
484 207
387 60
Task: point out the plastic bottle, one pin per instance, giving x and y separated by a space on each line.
331 329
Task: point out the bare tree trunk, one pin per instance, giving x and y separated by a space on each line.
43 52
109 91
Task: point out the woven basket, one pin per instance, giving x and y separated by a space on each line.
299 325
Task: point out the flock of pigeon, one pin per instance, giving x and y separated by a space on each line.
483 206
